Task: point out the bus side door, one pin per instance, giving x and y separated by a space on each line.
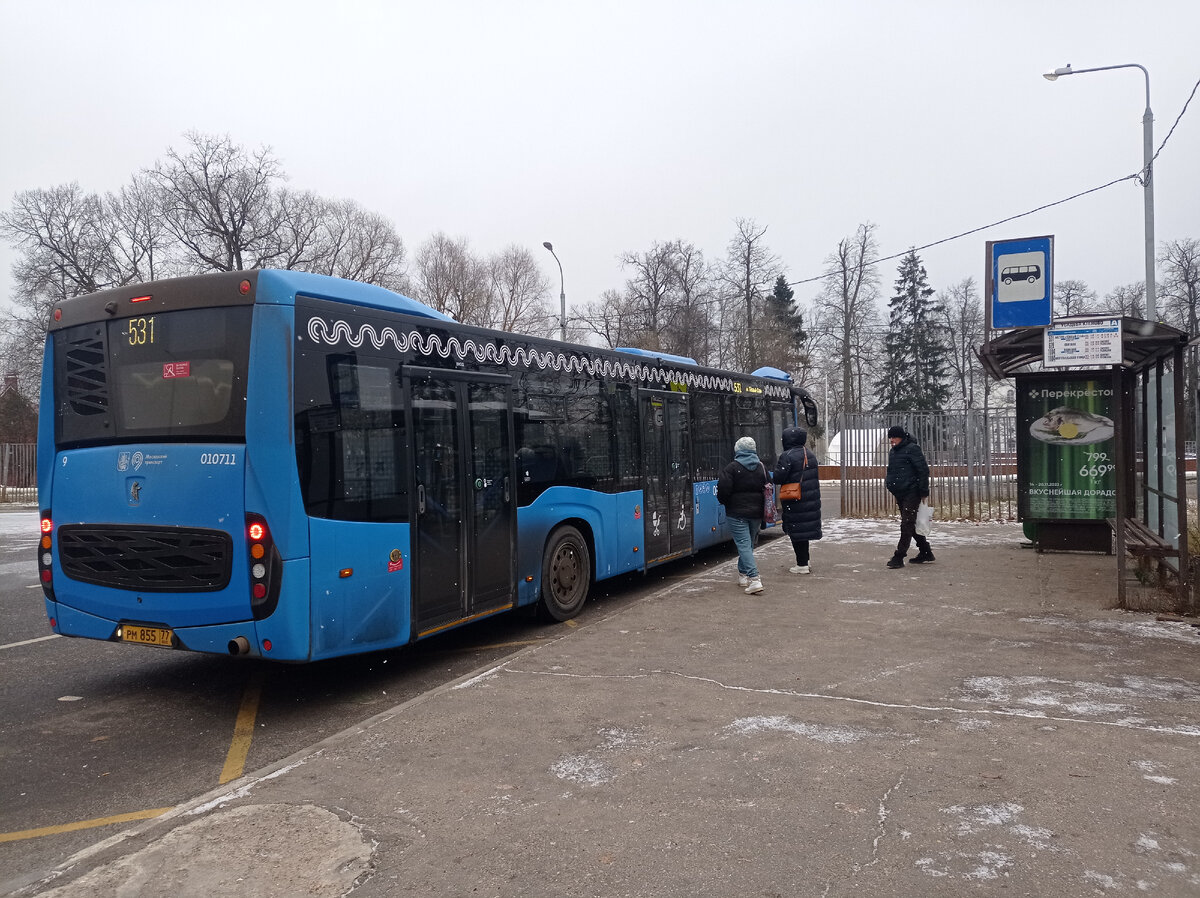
464 503
667 475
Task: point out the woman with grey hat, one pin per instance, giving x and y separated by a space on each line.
908 480
801 517
740 488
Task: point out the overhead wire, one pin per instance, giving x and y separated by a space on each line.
1138 176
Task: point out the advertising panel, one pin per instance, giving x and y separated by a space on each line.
1066 446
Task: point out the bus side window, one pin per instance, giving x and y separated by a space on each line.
710 442
350 442
626 439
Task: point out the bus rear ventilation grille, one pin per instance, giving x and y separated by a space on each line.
148 559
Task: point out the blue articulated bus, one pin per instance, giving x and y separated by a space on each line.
295 467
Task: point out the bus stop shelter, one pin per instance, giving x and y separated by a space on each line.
1149 527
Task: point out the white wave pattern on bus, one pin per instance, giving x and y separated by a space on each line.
490 352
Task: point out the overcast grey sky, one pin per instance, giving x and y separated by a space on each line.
606 127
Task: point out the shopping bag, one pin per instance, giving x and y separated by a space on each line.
770 511
924 519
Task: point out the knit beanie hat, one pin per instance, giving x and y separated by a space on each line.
747 444
896 431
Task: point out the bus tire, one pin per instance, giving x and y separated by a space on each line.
566 574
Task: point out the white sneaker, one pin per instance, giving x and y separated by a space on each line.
754 587
799 569
743 580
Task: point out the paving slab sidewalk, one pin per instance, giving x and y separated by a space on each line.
985 722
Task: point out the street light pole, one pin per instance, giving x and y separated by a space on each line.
1147 171
1158 430
562 293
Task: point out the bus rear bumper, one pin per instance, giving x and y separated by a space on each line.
239 638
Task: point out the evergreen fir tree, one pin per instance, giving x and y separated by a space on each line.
916 356
783 336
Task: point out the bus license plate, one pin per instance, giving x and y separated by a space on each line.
147 635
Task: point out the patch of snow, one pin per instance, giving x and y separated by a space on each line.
1101 879
1162 780
1143 628
830 735
884 531
1077 697
18 527
970 819
582 769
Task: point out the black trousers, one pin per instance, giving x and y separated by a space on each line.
908 524
801 547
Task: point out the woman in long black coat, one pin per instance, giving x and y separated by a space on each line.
802 518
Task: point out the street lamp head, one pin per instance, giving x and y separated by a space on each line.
548 245
1057 73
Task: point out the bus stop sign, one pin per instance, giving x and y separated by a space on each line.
1021 282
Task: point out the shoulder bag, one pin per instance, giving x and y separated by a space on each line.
790 492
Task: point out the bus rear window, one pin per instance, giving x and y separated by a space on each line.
170 375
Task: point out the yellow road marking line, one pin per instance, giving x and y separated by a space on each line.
243 731
504 645
81 824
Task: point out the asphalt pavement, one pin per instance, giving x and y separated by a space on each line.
987 722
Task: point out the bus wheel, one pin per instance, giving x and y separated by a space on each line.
566 574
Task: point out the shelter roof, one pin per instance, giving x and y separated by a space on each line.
1142 344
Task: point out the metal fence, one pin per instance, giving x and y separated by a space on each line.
18 472
972 459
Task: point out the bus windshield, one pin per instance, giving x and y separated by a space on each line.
166 376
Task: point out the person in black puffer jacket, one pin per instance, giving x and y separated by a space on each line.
801 518
908 480
740 488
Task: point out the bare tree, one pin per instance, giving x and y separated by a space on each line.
652 290
1180 261
665 304
1126 300
217 202
65 246
65 241
611 318
140 242
300 242
848 312
1073 298
691 329
21 349
963 318
750 268
361 246
450 279
518 293
211 206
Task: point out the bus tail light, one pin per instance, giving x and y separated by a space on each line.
265 564
46 554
